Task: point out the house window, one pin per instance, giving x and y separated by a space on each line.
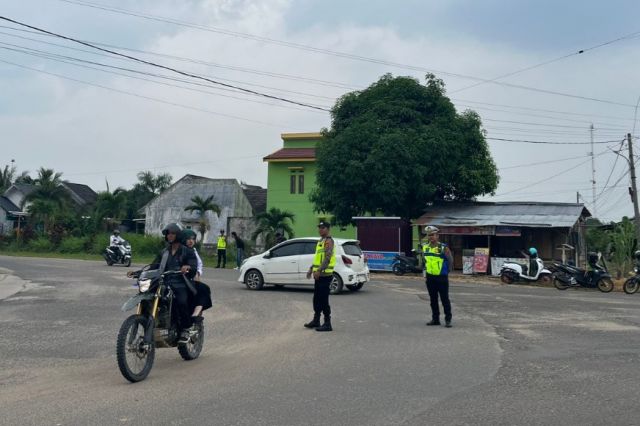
292 188
301 183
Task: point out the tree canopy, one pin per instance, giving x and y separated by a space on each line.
397 146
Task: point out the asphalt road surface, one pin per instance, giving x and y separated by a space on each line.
516 355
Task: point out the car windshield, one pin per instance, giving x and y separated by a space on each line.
352 249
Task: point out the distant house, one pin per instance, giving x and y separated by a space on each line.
8 215
18 192
292 178
81 194
239 204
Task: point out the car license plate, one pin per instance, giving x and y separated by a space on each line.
363 278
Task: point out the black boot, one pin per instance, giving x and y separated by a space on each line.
315 322
326 326
434 322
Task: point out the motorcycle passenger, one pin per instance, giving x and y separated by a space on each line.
202 299
115 244
533 264
178 257
636 259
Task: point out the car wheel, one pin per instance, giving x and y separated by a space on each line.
336 284
253 280
355 287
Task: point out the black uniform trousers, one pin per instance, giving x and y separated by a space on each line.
222 256
438 285
182 305
321 297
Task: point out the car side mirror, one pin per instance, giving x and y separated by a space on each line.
267 255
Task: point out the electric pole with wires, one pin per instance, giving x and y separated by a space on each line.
633 190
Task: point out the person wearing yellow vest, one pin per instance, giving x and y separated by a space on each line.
222 249
324 262
437 259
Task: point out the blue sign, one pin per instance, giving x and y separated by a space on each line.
380 260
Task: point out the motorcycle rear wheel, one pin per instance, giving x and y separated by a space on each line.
191 350
605 285
631 286
134 359
559 284
506 278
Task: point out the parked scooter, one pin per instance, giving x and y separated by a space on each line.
403 264
565 276
511 272
631 285
112 255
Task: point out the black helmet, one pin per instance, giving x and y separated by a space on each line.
188 234
637 255
592 258
172 228
116 232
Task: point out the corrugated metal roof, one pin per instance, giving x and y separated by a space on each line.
525 214
287 153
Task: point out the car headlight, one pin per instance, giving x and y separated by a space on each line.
144 285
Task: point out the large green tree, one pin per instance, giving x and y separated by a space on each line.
397 146
201 206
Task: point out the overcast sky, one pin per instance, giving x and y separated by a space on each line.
93 134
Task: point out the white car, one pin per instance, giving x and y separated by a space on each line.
288 263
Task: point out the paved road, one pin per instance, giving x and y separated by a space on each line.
517 355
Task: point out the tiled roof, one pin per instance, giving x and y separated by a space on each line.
292 153
257 197
83 192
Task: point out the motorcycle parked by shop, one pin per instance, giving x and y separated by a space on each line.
154 325
565 276
632 284
403 264
114 255
512 272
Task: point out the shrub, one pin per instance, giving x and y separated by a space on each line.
41 245
72 245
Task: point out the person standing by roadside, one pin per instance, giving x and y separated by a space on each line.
437 260
322 271
222 249
239 249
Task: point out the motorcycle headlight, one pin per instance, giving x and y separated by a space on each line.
635 269
144 285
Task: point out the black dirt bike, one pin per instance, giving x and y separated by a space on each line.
565 276
632 284
153 326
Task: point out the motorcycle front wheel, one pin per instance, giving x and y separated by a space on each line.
605 285
631 286
135 358
191 350
397 269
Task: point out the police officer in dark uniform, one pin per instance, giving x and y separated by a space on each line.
437 260
324 262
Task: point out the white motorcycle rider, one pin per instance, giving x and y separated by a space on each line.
511 272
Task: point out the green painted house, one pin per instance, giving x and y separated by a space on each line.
292 178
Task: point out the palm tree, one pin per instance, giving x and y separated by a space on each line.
201 206
7 176
273 221
154 184
110 205
49 198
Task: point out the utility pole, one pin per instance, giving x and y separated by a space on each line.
633 190
593 175
577 198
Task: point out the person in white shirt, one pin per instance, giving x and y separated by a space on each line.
115 243
202 299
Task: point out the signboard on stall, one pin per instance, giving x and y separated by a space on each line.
380 260
480 260
467 230
507 231
467 262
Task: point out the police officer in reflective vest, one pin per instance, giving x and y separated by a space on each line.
437 259
222 249
322 271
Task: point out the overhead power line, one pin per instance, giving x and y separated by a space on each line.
550 61
153 64
547 142
326 51
149 98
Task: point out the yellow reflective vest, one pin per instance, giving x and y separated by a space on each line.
435 261
319 258
222 242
